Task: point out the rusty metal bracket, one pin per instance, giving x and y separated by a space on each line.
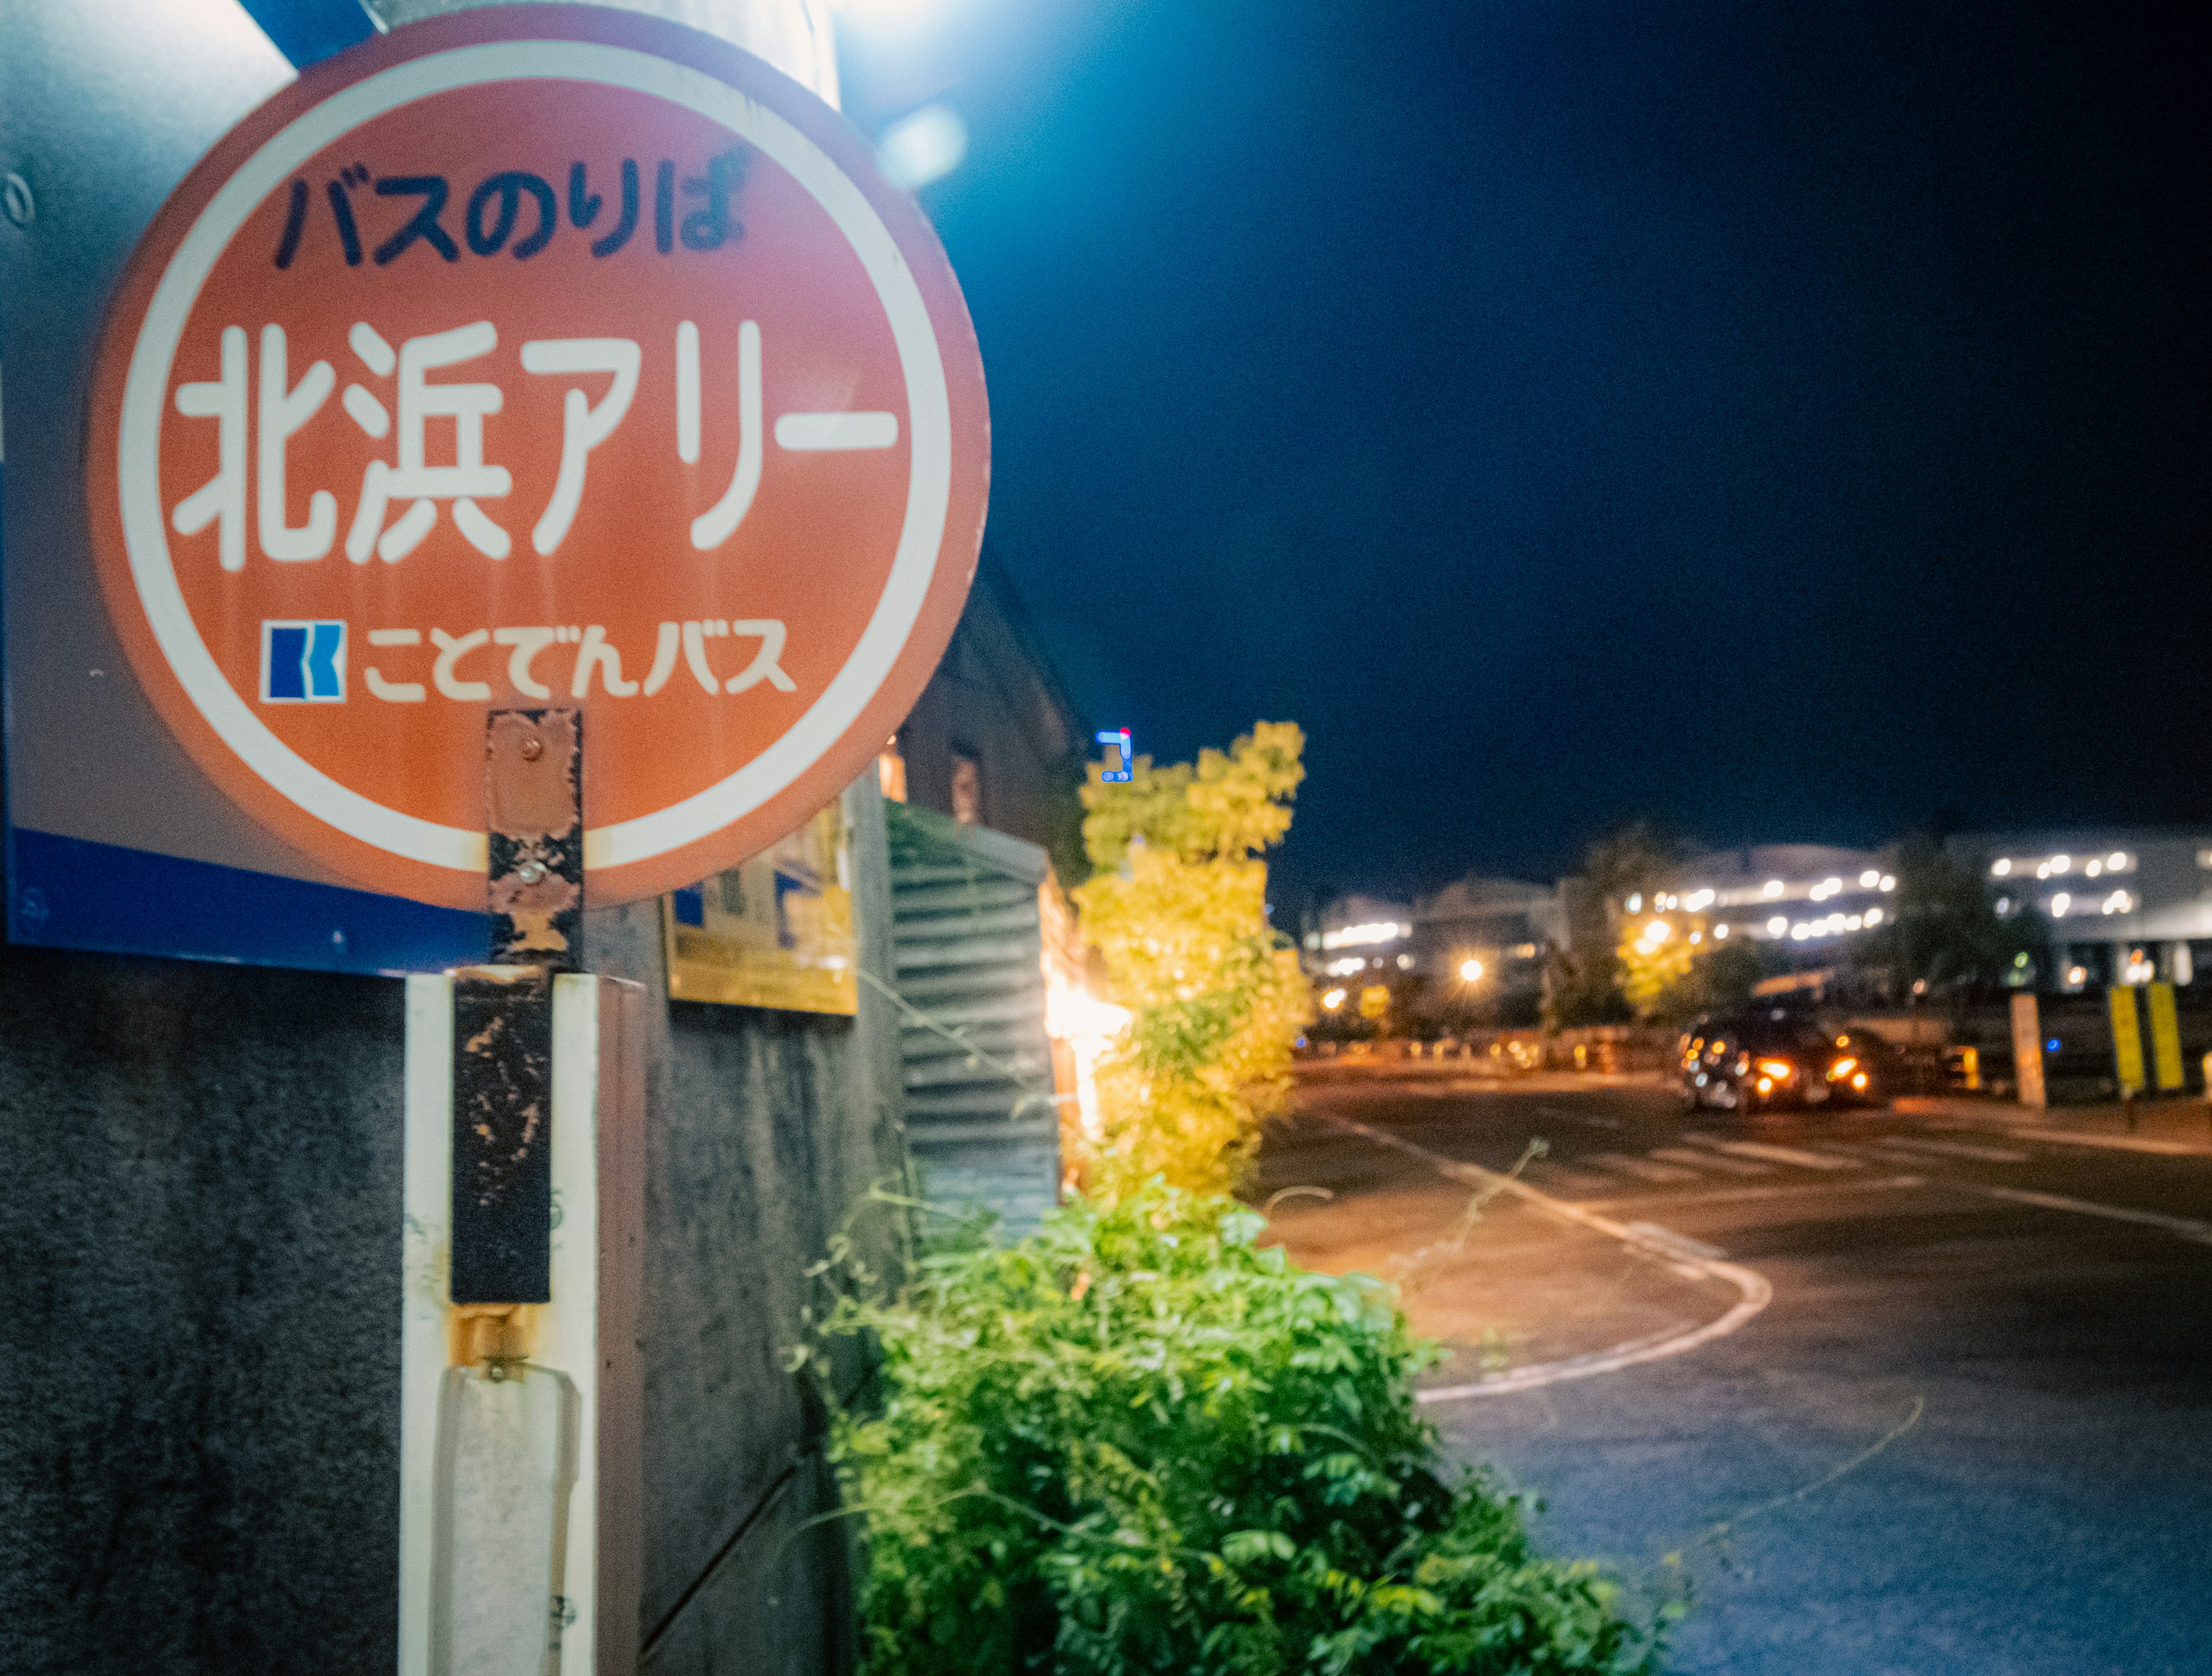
534 822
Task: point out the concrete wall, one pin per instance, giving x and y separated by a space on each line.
770 1129
200 1346
199 1349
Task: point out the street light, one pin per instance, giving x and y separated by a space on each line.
887 14
1469 970
925 146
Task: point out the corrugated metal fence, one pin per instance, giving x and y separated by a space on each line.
982 1117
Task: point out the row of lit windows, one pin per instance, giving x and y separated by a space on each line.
1774 890
2065 902
1345 968
2055 866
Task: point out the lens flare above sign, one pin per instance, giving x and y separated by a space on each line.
542 354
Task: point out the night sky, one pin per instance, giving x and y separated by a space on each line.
1787 421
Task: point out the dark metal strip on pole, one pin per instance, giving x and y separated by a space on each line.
534 820
502 1135
503 1011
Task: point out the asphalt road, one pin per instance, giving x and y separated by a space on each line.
1886 1393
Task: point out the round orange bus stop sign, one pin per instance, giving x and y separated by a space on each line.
537 356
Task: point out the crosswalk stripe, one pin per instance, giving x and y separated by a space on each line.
1780 1155
1892 1155
1682 1154
1957 1149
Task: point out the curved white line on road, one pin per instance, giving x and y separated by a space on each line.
2182 1227
1757 1295
1754 1291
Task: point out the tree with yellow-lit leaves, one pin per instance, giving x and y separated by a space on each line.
1177 908
1665 965
1650 967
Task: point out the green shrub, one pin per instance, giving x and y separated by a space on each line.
1138 1442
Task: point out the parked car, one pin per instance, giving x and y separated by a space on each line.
1776 1057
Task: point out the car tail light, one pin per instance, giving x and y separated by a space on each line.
1780 1069
1843 1068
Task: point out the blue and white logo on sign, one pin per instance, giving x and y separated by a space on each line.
303 662
1116 765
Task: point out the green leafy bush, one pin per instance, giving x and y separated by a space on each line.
1138 1442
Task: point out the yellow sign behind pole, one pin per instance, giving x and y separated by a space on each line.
2127 1038
772 931
2164 1039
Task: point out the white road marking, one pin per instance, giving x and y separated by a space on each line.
1641 1169
1956 1149
1754 1292
1778 1154
1578 1117
1828 1189
1673 1240
1727 1166
2171 1149
1892 1155
2180 1227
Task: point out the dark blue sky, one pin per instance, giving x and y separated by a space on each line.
1787 420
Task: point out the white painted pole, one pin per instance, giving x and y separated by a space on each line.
427 1231
586 1336
591 1090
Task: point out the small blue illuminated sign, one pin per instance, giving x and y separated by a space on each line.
303 662
1116 766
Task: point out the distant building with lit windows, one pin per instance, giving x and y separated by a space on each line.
1494 932
2125 905
1359 935
1478 938
1806 899
1805 895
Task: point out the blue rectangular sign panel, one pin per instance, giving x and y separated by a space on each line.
115 841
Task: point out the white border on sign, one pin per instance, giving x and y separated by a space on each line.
929 427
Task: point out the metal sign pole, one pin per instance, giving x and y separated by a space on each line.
521 1502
